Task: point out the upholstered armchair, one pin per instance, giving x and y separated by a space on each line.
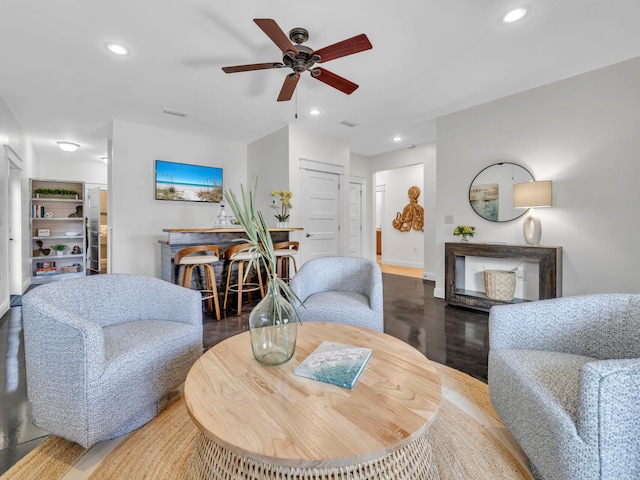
564 376
342 290
102 352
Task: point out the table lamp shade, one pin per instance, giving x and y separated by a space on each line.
532 195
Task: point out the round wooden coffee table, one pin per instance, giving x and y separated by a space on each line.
259 422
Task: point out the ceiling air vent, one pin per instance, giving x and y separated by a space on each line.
177 113
347 123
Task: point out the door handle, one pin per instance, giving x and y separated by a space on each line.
309 234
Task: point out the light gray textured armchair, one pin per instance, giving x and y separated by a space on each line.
564 376
342 290
103 351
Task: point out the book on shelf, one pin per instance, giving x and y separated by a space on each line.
335 363
45 264
40 272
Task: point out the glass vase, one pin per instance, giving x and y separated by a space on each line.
273 328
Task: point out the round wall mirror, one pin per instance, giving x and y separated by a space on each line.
491 191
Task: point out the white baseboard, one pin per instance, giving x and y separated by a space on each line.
402 263
438 292
4 307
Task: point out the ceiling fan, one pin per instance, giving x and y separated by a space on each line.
301 58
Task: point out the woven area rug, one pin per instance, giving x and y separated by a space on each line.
468 439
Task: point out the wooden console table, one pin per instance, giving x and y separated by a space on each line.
549 260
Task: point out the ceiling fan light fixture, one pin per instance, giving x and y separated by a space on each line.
117 49
514 15
68 146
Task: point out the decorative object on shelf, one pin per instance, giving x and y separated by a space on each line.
44 251
464 231
272 323
71 268
283 209
532 195
77 213
76 250
44 232
491 190
412 215
48 214
72 234
55 193
59 248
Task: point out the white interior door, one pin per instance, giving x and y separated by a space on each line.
320 204
15 226
355 219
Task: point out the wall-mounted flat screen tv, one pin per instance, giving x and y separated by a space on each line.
188 183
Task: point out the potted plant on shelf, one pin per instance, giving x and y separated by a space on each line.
55 192
272 323
60 248
283 209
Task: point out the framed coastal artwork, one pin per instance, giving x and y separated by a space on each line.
183 182
484 200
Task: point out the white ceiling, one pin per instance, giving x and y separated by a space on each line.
429 58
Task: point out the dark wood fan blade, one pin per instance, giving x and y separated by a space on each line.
357 44
275 33
288 87
253 66
333 80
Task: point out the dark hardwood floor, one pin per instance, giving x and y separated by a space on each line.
449 335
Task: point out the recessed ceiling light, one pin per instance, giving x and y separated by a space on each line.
397 139
68 146
514 15
117 49
314 111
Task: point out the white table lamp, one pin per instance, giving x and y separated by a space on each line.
532 195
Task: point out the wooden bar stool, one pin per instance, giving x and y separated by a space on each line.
286 252
201 256
240 256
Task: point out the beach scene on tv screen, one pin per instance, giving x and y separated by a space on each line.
188 183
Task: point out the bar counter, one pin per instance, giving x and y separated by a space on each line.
179 238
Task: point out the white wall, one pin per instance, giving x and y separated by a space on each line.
136 219
268 159
12 135
581 133
75 167
424 155
400 248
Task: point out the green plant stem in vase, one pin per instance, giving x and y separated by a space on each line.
273 321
